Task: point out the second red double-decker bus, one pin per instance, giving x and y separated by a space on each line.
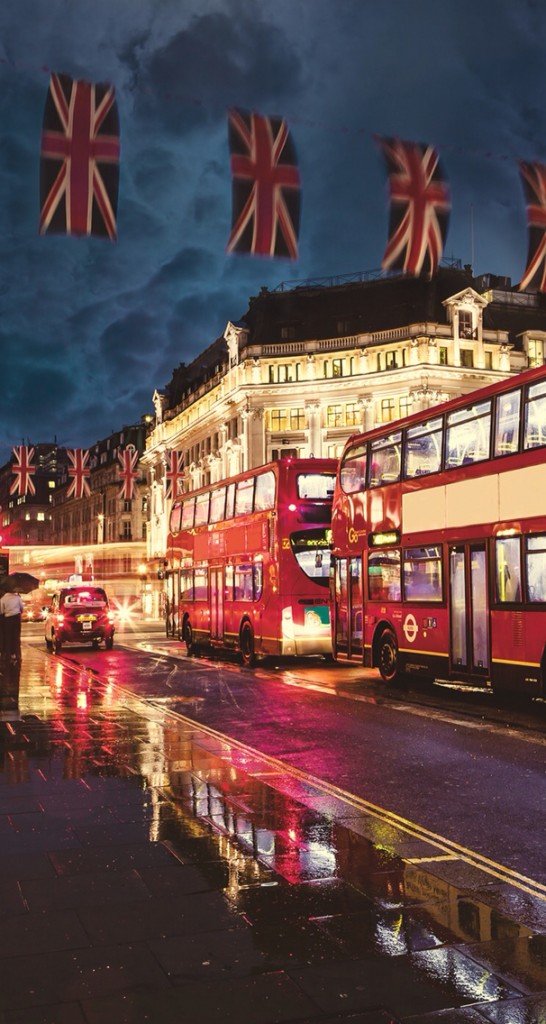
249 561
439 541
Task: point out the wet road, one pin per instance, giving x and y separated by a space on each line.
459 772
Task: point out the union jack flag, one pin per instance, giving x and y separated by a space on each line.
23 470
533 177
79 168
174 472
128 473
266 193
80 472
420 207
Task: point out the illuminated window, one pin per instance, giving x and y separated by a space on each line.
384 575
423 574
387 410
508 569
334 415
297 419
465 324
279 419
352 414
442 355
405 405
535 416
338 367
507 423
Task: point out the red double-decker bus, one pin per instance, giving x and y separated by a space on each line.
439 541
248 561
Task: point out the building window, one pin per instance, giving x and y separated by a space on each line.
126 526
467 358
334 451
288 331
442 355
334 416
127 505
279 419
465 324
387 410
338 367
297 419
488 360
535 351
405 405
352 414
391 360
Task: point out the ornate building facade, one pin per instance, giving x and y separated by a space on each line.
307 367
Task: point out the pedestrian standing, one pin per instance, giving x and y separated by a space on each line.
11 607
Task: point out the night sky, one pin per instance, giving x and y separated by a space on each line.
89 328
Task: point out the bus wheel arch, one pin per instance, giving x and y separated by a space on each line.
246 643
385 654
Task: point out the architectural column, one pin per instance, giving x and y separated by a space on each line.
313 432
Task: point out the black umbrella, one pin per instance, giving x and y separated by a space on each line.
22 582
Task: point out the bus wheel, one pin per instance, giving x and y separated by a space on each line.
387 657
246 643
187 637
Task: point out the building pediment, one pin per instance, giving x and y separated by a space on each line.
468 297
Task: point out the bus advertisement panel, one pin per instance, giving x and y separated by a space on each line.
439 541
249 561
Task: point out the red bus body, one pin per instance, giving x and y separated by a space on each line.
249 561
439 541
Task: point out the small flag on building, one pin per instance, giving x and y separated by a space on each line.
533 177
420 207
79 167
266 192
80 472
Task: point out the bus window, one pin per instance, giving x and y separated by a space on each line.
186 585
352 474
468 435
507 569
217 505
242 590
423 449
316 486
230 501
536 568
265 491
535 416
311 550
423 574
202 509
244 496
258 574
188 512
507 423
384 575
175 520
385 460
228 585
200 585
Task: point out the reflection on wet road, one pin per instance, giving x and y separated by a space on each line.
354 911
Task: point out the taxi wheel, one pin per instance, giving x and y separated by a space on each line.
56 644
109 643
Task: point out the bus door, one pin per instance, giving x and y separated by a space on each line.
349 612
469 639
216 603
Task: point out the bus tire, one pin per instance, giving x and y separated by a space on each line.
246 644
187 637
387 658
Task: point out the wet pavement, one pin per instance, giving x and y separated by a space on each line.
152 870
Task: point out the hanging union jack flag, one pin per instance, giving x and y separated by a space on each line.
23 470
420 207
128 473
79 167
533 177
80 472
266 193
174 472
